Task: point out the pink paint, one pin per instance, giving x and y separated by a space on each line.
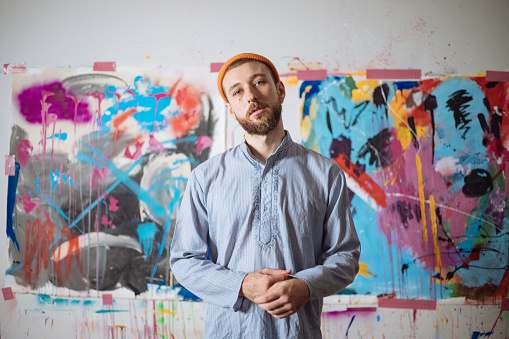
10 165
215 67
28 204
393 74
497 76
107 299
15 68
24 149
158 97
105 66
99 96
137 154
155 145
318 74
7 292
113 204
203 143
105 221
101 174
407 304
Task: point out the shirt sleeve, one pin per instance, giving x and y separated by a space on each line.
341 247
188 255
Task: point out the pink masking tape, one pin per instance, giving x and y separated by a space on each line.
106 66
316 74
15 68
215 67
107 299
504 305
407 304
7 292
380 74
497 76
10 165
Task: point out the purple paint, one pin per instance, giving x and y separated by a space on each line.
61 104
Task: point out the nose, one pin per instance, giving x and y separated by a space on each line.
251 94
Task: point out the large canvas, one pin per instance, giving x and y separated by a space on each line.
425 163
102 163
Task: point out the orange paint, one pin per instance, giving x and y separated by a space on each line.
74 248
362 179
120 118
434 229
418 164
42 237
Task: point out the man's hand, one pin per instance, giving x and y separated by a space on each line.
258 282
284 298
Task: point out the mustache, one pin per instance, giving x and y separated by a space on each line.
255 106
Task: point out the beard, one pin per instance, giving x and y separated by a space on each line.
264 123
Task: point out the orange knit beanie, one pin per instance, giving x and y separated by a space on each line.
227 64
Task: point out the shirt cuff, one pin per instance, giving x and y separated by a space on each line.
238 304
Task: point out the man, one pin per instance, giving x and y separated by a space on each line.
272 216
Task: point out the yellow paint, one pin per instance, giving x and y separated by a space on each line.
421 197
363 269
364 91
148 57
305 128
434 229
291 81
400 114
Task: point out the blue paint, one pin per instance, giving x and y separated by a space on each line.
401 85
37 185
477 334
12 185
348 329
61 136
187 296
377 318
146 235
46 299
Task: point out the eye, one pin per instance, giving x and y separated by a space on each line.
237 92
259 82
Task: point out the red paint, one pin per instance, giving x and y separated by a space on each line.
15 68
362 179
7 293
188 99
28 204
105 66
414 304
318 74
99 174
24 150
393 74
137 154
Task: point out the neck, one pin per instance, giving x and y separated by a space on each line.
263 146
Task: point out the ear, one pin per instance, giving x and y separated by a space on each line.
230 110
282 91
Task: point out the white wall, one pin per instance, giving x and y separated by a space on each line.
464 37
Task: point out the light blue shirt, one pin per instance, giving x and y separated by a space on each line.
291 213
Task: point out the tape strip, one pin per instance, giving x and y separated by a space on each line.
315 74
106 66
215 67
497 76
393 74
15 68
10 165
7 293
408 304
107 299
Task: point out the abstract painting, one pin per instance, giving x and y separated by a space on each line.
426 165
102 161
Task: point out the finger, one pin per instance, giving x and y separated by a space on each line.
266 297
275 271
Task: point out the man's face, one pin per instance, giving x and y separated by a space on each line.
254 100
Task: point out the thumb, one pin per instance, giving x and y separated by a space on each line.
276 271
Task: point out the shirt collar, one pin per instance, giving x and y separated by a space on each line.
287 142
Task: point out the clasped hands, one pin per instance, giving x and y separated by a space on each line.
275 292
